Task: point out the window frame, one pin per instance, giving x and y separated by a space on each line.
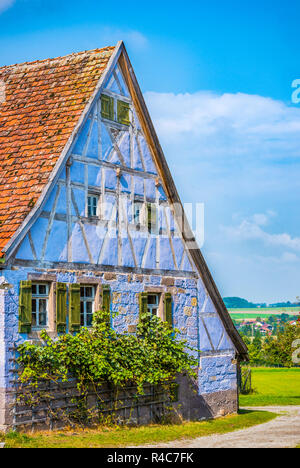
92 196
38 297
87 299
118 109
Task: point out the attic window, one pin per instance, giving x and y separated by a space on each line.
123 112
115 109
107 107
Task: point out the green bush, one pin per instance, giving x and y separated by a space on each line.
153 356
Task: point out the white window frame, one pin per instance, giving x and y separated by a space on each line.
84 300
39 297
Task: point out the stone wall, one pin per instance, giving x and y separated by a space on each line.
193 314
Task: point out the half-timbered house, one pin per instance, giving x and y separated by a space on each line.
90 217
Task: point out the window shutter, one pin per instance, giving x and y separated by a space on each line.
74 315
61 307
123 113
152 218
143 301
107 107
168 309
25 306
106 301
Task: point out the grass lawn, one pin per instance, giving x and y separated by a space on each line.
122 436
273 387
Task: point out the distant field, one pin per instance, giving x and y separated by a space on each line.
273 387
242 314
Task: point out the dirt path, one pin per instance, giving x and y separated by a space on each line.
282 432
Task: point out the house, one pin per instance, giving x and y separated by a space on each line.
90 217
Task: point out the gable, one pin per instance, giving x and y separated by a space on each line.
119 164
113 162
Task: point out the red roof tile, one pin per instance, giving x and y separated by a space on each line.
43 103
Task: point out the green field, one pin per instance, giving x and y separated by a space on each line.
123 436
273 387
265 312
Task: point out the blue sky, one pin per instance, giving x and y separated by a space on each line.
217 79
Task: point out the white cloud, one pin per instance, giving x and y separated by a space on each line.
235 125
5 4
250 229
238 154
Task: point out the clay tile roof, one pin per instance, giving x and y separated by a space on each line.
43 103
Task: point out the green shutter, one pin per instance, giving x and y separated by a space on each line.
107 107
74 311
152 218
123 109
106 301
168 309
25 306
143 302
61 307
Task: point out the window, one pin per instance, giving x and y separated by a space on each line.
123 113
138 208
153 304
107 107
87 305
39 305
152 218
115 109
92 208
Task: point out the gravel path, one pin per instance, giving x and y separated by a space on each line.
282 432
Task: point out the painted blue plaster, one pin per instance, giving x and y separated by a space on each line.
217 374
94 176
82 137
77 172
25 250
92 150
56 249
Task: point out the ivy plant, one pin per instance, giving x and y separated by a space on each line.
153 356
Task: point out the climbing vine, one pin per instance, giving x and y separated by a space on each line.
154 356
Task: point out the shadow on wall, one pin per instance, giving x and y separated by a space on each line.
194 407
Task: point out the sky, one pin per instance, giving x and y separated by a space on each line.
217 78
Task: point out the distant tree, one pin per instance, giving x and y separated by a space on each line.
246 339
258 340
238 303
278 350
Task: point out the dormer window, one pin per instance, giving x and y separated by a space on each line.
115 110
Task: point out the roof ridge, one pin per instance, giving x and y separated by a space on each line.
47 60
